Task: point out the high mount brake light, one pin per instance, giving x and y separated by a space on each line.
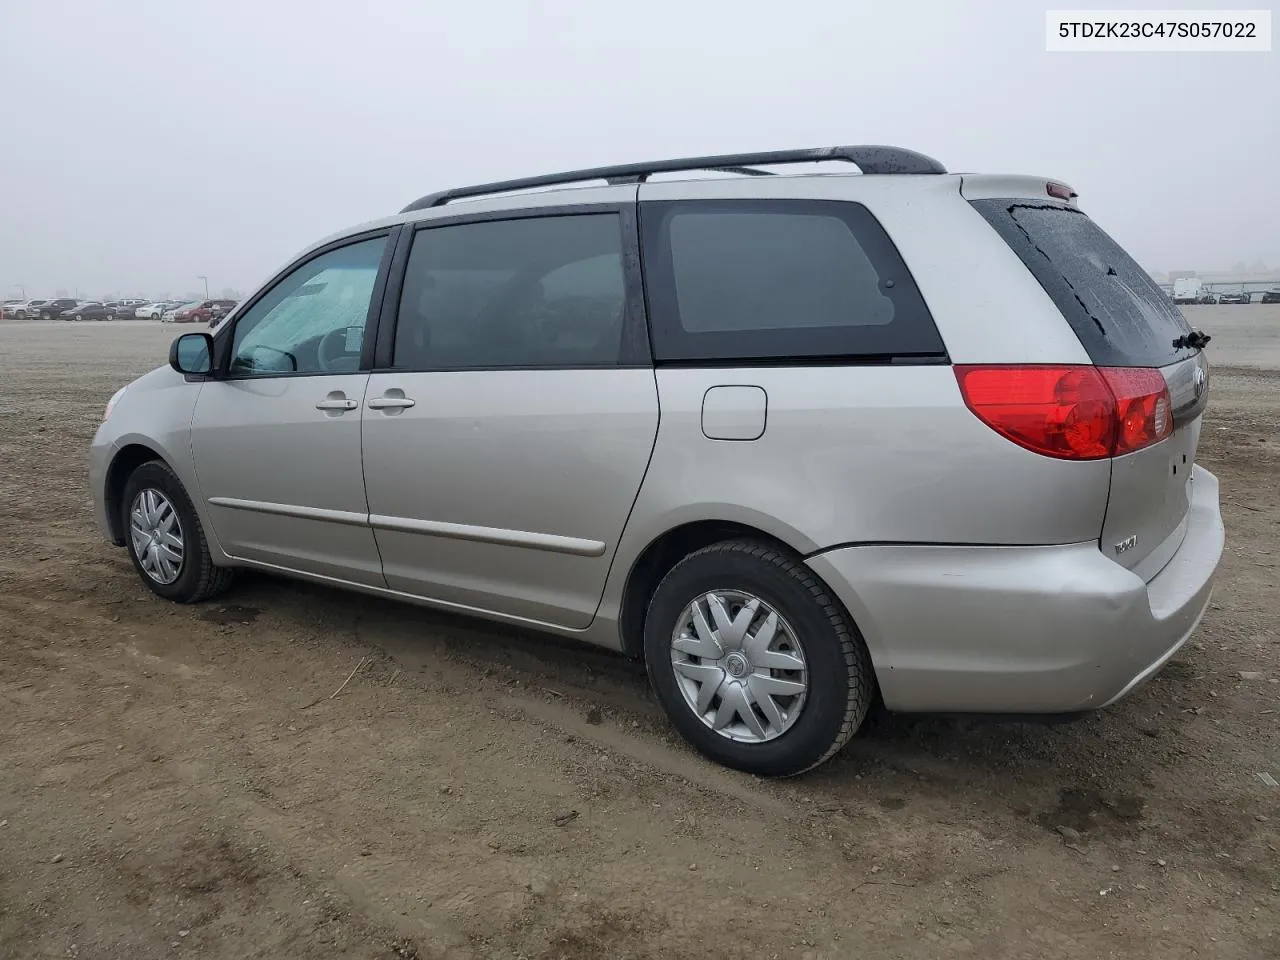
1070 412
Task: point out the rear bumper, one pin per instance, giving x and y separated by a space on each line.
1052 629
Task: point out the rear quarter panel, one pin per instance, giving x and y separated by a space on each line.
861 455
878 454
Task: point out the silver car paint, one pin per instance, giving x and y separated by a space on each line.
860 454
1022 629
507 490
281 480
866 470
154 411
1147 510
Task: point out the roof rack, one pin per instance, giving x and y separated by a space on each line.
868 159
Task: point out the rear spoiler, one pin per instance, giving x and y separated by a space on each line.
1015 186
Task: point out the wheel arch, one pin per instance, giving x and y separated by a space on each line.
664 552
126 460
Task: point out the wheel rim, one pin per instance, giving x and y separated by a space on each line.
739 666
157 538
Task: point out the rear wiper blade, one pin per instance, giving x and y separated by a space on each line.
1195 340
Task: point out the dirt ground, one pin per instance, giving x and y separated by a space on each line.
179 780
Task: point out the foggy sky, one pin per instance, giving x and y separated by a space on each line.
145 142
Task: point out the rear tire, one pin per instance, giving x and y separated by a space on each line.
156 510
815 673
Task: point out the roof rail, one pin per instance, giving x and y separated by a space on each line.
868 159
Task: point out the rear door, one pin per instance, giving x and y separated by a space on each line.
512 416
1123 319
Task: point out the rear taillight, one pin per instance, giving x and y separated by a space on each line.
1144 413
1070 412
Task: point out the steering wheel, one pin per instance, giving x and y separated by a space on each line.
332 352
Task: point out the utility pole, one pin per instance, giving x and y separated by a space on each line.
206 286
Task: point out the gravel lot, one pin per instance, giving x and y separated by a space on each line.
179 780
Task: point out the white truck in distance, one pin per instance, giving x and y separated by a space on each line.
1188 290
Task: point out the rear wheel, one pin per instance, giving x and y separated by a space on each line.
165 538
754 660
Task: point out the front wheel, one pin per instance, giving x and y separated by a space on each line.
755 661
166 540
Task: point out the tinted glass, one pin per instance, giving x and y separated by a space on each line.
536 292
313 320
1119 313
749 271
779 280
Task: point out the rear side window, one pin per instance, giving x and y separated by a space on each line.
533 292
1121 317
763 280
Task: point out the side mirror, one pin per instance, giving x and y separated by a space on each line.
192 353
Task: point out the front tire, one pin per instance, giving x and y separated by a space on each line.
165 538
755 661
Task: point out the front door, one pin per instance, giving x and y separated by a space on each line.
276 440
505 444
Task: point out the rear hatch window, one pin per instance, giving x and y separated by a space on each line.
1121 317
1123 320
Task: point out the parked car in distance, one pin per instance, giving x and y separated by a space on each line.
124 309
181 313
749 430
1271 296
206 310
87 310
220 308
53 309
1240 297
1188 290
22 309
155 309
222 314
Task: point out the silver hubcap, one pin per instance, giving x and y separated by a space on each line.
156 535
739 666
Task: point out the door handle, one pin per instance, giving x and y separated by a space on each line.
337 403
385 403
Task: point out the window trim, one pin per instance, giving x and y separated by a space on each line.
224 336
633 350
675 346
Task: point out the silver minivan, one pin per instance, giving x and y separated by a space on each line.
799 440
